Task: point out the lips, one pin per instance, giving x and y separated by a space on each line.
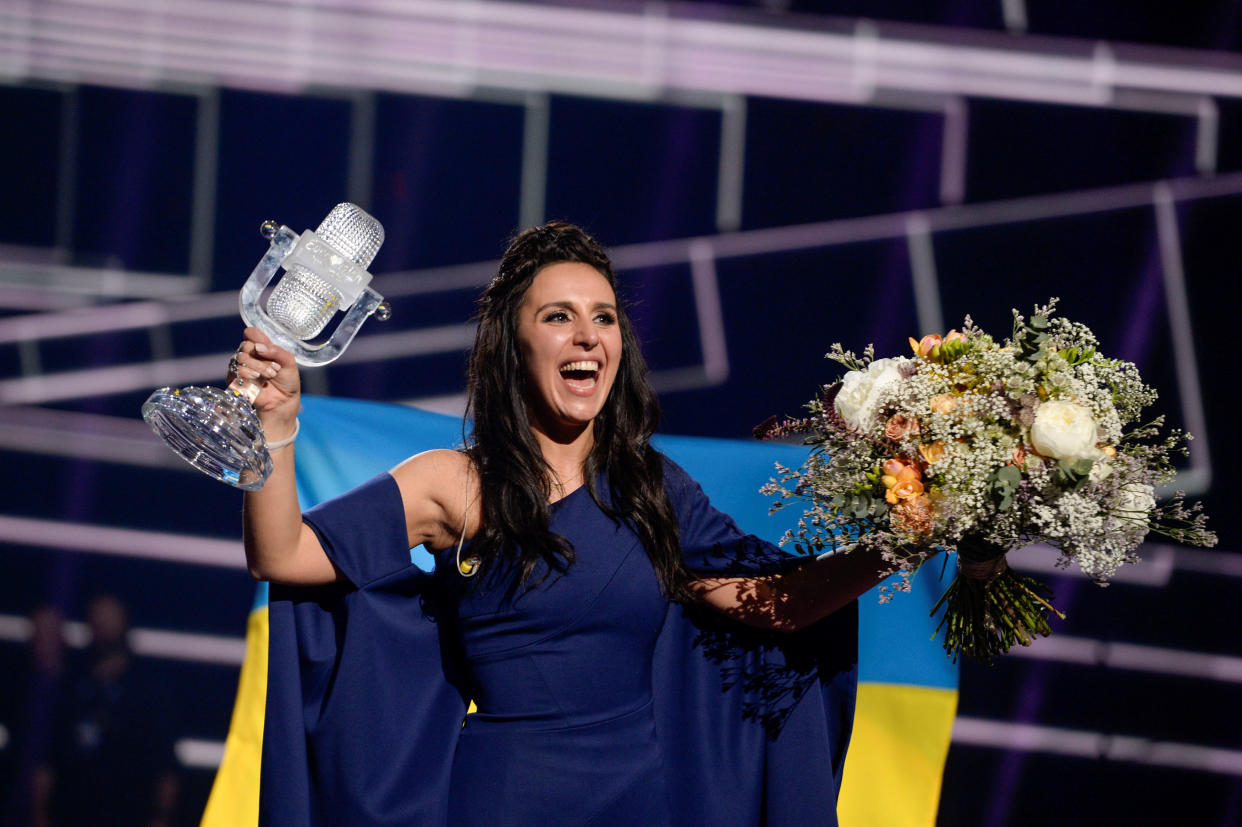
580 375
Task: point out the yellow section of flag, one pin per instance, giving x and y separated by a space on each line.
234 797
895 763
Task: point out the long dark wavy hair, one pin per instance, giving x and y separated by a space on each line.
514 477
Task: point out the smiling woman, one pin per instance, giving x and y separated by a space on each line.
571 345
564 543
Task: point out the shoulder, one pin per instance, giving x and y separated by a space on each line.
677 481
442 474
443 462
437 487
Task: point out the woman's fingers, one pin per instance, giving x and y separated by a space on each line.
259 358
246 364
268 366
264 348
251 367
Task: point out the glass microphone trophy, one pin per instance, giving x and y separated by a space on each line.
218 431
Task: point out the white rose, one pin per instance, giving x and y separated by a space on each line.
1064 430
1135 501
857 401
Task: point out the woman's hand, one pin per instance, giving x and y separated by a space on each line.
261 363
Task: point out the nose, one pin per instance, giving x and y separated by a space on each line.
585 333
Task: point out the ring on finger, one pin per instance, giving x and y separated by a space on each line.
234 366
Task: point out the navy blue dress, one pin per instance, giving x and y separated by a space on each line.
598 701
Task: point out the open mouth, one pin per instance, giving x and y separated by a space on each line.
580 375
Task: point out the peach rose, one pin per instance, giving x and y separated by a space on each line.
932 452
893 467
899 427
905 489
944 403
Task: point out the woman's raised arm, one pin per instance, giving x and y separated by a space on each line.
279 546
283 549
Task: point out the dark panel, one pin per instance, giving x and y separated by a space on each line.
633 172
1105 268
988 787
782 312
1204 25
154 499
970 13
1211 250
135 179
281 157
95 350
398 379
447 179
973 13
159 594
29 164
1229 138
204 336
660 301
423 375
1022 149
811 162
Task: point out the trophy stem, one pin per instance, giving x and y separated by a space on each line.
217 431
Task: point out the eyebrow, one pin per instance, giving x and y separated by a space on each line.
569 306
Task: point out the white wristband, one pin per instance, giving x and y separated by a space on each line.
276 446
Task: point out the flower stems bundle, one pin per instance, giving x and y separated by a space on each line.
986 446
989 608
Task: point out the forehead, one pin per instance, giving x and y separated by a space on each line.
569 281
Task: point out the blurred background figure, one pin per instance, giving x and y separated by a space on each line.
111 760
31 700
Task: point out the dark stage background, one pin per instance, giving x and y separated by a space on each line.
772 177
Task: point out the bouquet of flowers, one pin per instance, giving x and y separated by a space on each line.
984 447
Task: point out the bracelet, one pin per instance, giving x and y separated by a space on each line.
276 446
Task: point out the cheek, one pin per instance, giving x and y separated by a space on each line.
616 353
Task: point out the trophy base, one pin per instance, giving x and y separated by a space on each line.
217 431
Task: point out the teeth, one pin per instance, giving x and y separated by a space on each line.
587 365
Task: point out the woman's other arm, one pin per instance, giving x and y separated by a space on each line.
752 580
795 598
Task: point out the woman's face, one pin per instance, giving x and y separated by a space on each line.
570 341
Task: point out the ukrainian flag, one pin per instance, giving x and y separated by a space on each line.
907 694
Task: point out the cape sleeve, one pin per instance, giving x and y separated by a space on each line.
362 712
754 724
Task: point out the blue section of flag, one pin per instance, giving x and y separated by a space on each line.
345 442
895 643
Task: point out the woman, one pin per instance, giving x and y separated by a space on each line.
560 536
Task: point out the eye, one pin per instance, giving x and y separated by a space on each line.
556 316
604 317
